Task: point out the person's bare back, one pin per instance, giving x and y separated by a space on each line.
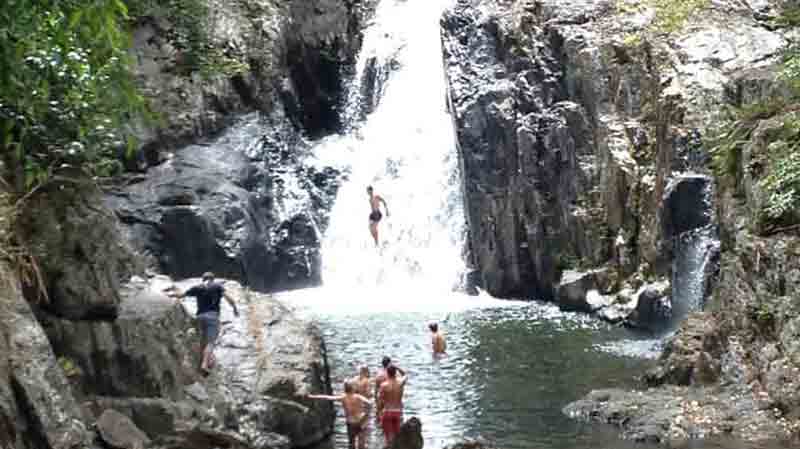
354 407
390 400
437 339
392 393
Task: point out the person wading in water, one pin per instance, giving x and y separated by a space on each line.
375 212
362 382
208 295
355 413
437 340
390 401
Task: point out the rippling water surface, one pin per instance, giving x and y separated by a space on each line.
511 366
510 369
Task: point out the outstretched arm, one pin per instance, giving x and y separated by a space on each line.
231 302
173 292
325 396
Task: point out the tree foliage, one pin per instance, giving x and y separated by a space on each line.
66 93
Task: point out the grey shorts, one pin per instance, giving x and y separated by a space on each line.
209 327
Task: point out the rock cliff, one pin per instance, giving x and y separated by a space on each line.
583 131
245 202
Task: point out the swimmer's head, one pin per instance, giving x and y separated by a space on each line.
369 190
386 361
391 371
434 327
348 386
363 370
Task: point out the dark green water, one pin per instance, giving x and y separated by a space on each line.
510 368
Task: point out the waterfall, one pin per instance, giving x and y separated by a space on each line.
405 149
690 223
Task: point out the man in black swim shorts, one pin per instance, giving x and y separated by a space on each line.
209 295
375 213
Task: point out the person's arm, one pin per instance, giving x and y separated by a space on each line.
325 396
385 206
364 399
403 379
380 400
173 292
231 302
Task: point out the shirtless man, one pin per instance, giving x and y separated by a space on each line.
381 377
355 414
437 340
363 382
390 401
375 213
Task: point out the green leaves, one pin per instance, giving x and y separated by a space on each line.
65 88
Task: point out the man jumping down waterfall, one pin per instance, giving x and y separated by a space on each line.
375 212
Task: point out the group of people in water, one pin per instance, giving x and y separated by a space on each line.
387 388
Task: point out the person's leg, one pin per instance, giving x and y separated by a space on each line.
212 331
386 427
351 435
373 229
394 427
202 325
361 439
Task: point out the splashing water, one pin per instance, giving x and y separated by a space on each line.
406 150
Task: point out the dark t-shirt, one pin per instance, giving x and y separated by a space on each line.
208 297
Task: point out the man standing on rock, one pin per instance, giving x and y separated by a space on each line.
375 213
390 401
209 295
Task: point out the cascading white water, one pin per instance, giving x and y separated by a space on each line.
405 150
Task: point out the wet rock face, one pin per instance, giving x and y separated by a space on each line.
686 205
245 205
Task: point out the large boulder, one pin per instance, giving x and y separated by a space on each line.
119 432
80 255
653 309
37 408
145 365
578 290
687 358
246 206
410 436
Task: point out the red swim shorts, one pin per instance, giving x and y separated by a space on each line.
391 421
